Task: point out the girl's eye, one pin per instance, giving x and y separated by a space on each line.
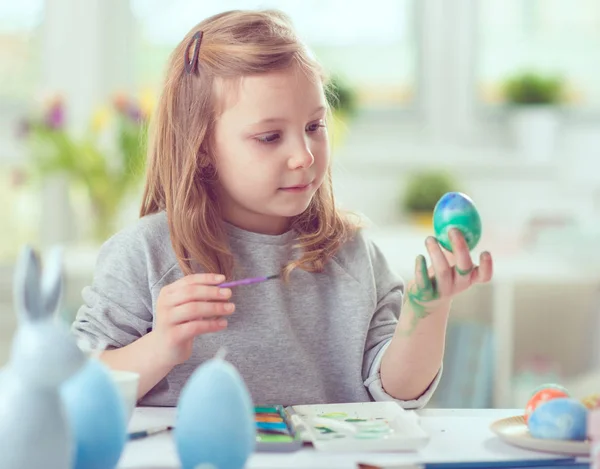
268 138
315 126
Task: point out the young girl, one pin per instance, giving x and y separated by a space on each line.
239 185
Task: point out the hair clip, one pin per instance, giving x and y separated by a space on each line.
191 64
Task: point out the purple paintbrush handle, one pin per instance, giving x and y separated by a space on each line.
245 281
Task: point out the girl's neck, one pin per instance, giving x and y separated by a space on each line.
261 224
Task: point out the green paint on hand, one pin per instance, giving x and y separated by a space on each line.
463 272
422 292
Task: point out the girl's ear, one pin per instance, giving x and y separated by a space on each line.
26 287
52 281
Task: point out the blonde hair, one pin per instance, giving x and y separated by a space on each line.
181 176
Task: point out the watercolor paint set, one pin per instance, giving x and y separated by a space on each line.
274 430
350 427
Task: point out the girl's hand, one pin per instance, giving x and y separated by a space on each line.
449 275
191 306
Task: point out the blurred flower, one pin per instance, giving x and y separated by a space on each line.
147 103
55 116
134 112
100 119
120 102
128 108
88 159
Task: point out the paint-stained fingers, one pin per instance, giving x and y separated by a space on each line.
464 264
443 272
422 274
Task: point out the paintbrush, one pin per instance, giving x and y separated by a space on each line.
152 431
247 281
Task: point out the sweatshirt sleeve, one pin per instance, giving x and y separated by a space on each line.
373 384
117 306
389 288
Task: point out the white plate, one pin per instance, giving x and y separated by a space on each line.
513 430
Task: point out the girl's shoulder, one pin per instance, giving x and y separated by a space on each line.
143 246
363 259
358 251
147 232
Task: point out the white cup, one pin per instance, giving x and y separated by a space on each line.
127 382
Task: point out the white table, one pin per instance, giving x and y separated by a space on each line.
459 435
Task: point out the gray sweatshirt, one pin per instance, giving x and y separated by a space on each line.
318 339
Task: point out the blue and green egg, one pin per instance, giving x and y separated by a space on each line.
456 210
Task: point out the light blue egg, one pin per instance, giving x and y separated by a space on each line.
561 418
215 419
96 413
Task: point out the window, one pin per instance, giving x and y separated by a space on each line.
371 45
19 77
559 37
19 58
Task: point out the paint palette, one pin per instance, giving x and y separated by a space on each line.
368 426
274 431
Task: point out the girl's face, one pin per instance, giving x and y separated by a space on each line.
271 149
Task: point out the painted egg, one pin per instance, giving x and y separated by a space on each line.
215 419
592 401
562 418
456 210
550 386
96 412
544 394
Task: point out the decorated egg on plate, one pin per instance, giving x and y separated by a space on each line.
543 394
456 210
550 386
562 418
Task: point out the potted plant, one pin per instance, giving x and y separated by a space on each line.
533 101
106 162
343 102
422 192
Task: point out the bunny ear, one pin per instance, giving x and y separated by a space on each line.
52 281
27 293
